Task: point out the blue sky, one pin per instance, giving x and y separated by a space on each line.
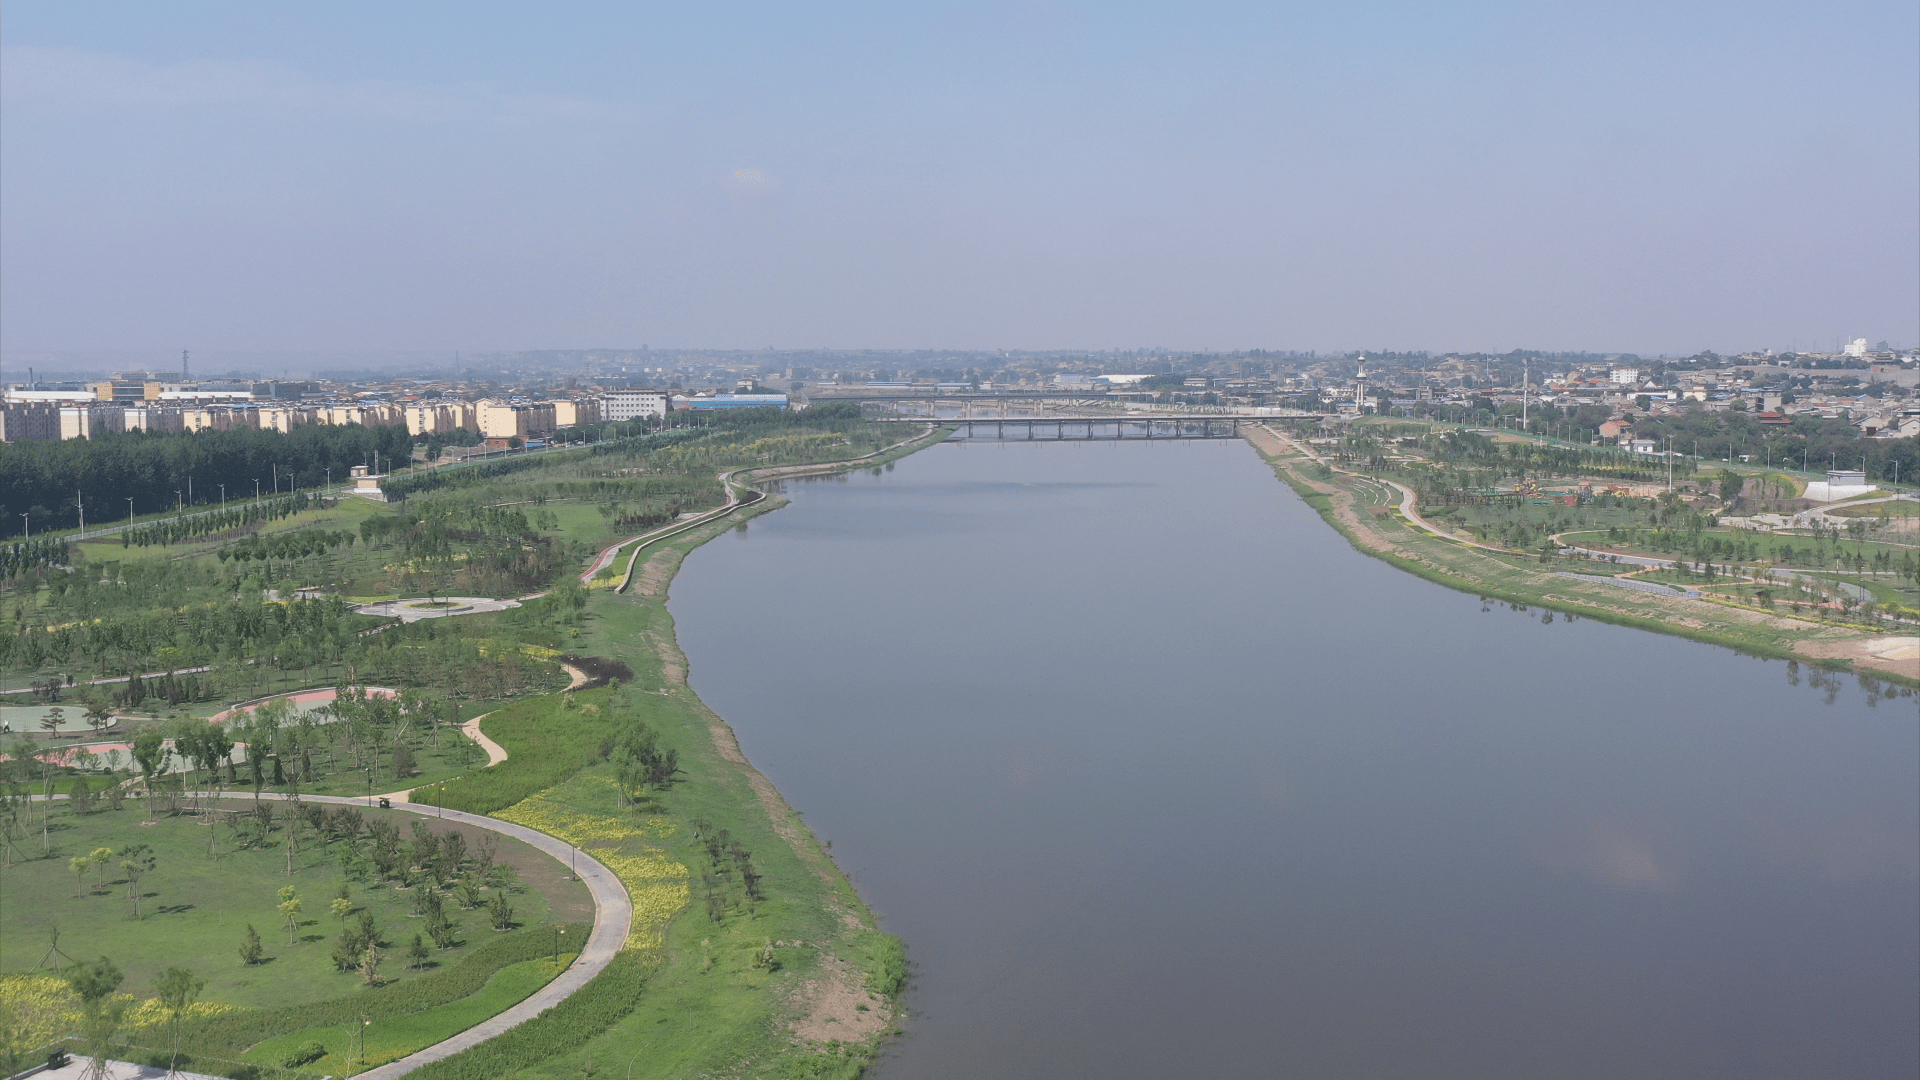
343 176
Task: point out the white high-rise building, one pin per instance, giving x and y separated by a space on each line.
1857 347
630 404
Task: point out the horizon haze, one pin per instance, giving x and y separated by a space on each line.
361 180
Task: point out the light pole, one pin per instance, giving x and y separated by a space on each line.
178 503
223 496
26 527
129 509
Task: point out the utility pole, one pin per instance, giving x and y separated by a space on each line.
81 504
1526 376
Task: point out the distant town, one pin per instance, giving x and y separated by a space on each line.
520 398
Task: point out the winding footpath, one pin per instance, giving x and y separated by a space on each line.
612 906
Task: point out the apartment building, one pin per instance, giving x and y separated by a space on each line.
507 419
632 404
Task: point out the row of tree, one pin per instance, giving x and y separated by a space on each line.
42 478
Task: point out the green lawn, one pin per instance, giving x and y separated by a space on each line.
196 906
389 1038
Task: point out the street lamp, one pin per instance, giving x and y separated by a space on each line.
223 496
129 509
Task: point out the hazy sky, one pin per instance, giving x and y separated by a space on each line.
1657 177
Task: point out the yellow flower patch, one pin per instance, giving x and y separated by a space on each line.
46 1008
657 885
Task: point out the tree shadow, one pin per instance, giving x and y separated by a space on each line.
172 909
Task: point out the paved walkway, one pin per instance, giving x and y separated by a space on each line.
415 609
612 920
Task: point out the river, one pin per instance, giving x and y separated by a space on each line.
1158 777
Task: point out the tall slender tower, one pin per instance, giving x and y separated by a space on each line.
1360 388
184 375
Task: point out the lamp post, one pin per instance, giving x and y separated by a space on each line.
223 496
129 509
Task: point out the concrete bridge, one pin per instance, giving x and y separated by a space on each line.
1085 428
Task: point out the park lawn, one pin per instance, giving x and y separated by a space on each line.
196 907
1886 509
1764 547
390 1038
579 521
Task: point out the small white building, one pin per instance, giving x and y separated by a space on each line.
1839 484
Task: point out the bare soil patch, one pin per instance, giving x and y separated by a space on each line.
1894 655
829 1006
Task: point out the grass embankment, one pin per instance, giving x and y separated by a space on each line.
796 981
1364 511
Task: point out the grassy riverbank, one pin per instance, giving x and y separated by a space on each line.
1366 512
789 978
749 954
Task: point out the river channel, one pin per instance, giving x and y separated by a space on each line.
1157 777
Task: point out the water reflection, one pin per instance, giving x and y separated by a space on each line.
1158 777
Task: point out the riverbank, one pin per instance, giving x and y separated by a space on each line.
1370 514
789 976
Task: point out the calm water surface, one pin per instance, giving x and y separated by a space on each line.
1157 777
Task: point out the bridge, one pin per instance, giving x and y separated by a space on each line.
1085 428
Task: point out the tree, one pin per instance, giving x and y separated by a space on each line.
177 990
80 864
370 964
94 984
101 858
150 752
1730 484
499 911
50 722
290 907
417 952
136 860
99 711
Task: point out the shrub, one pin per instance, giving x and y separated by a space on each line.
594 1008
305 1055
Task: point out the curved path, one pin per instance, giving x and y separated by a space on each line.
407 611
1408 498
612 919
612 906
